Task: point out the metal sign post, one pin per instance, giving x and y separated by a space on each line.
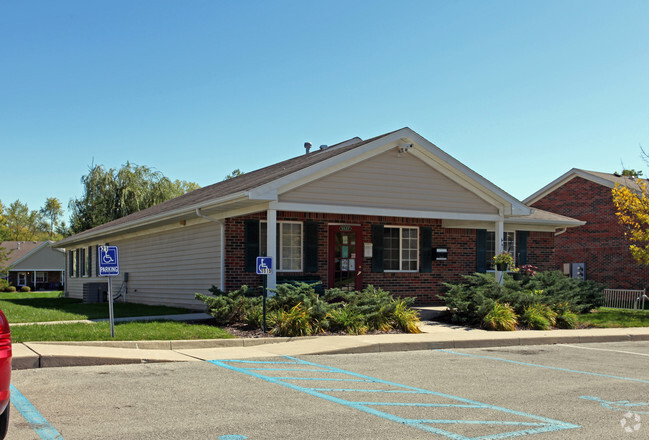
264 267
108 259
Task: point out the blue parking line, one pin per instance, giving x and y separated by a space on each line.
527 364
36 421
536 425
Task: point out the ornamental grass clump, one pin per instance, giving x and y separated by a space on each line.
294 322
500 317
539 317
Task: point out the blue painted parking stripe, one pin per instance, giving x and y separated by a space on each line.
36 421
527 364
537 425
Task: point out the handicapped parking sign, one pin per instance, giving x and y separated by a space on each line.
264 265
108 261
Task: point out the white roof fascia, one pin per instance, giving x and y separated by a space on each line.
385 212
153 219
562 180
301 177
478 184
33 251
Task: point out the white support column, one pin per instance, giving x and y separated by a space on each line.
271 245
499 238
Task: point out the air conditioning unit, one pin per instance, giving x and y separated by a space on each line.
95 292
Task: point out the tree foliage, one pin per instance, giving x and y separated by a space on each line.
632 203
19 223
112 194
52 211
233 174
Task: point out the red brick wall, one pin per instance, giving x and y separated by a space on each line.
461 245
600 243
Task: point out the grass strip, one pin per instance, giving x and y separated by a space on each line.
47 306
126 331
610 318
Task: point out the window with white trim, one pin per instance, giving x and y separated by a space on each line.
289 245
400 249
509 246
41 277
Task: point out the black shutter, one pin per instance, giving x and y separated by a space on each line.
90 261
481 250
521 247
251 239
77 269
426 265
97 260
310 247
68 269
377 248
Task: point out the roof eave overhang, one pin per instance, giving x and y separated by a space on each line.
153 220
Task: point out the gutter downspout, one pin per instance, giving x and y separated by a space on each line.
561 231
222 224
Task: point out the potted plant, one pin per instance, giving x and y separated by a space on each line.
517 274
503 260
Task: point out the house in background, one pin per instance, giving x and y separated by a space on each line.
35 264
600 244
393 211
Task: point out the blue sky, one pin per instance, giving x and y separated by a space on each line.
520 92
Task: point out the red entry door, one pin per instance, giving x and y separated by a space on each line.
345 257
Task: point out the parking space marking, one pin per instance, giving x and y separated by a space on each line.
527 364
527 423
603 349
35 420
620 405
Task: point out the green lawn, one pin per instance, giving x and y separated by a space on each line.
607 317
125 331
47 307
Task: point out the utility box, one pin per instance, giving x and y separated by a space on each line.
95 292
578 270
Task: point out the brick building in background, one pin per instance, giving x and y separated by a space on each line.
600 244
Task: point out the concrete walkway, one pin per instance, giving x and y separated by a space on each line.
434 335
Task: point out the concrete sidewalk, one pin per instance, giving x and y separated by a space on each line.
435 336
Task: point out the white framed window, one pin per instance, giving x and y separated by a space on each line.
289 245
400 249
41 277
509 246
22 279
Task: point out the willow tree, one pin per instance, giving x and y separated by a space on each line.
632 203
112 194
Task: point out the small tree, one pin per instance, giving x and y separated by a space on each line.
632 205
52 210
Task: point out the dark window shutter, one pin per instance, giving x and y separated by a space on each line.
251 232
481 250
97 260
311 247
377 248
68 270
77 269
521 247
426 265
89 256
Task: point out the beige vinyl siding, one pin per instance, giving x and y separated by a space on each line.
390 181
165 268
45 258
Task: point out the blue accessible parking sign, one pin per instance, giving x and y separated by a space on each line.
108 261
264 265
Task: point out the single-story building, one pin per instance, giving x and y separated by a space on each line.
394 211
35 264
600 244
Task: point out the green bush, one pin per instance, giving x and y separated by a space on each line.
348 319
3 285
500 317
405 318
539 317
25 289
567 319
10 289
294 322
237 306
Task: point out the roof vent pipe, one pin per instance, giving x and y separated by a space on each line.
307 147
323 147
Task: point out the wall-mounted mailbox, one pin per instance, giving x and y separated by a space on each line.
441 254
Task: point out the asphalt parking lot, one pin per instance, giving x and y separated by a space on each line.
574 391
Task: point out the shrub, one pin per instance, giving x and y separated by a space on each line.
539 317
10 289
348 318
500 317
405 318
233 307
567 319
294 322
3 285
25 289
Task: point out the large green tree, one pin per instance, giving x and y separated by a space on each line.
52 211
112 194
21 223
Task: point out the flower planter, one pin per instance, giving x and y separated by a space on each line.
502 267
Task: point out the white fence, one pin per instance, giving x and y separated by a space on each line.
626 299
